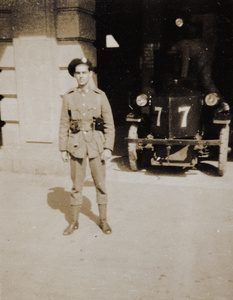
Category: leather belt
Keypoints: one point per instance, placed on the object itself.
(81, 125)
(86, 125)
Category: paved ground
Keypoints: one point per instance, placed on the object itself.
(171, 240)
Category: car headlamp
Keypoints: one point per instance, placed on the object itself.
(142, 100)
(179, 22)
(211, 99)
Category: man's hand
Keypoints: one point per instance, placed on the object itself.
(65, 156)
(106, 154)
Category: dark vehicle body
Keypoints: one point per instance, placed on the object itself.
(178, 127)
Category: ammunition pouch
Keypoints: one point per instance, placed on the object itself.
(74, 126)
(99, 124)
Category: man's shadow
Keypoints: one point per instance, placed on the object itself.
(58, 198)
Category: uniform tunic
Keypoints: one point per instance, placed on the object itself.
(81, 105)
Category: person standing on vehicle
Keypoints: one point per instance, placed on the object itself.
(86, 131)
(197, 51)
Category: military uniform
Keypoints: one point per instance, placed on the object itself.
(86, 131)
(81, 107)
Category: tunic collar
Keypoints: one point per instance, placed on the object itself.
(83, 90)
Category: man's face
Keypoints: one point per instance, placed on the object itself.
(82, 75)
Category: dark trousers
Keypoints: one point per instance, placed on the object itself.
(78, 174)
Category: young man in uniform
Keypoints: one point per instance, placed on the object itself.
(86, 131)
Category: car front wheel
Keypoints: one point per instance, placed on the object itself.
(223, 150)
(133, 152)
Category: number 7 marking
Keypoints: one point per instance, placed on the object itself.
(185, 110)
(159, 110)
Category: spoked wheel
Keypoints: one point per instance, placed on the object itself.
(223, 150)
(133, 152)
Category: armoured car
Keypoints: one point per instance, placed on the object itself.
(178, 126)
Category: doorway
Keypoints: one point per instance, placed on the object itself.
(119, 48)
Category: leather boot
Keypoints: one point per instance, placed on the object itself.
(103, 219)
(74, 224)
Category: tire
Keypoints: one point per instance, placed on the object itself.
(223, 150)
(133, 154)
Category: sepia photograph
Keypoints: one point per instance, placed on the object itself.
(116, 149)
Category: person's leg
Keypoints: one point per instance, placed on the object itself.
(98, 174)
(78, 173)
(103, 219)
(75, 209)
(205, 70)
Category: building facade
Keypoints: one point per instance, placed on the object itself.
(37, 41)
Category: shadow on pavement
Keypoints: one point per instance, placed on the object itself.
(206, 168)
(123, 165)
(59, 199)
(160, 171)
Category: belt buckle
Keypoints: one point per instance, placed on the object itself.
(87, 138)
